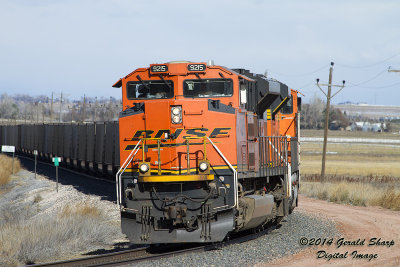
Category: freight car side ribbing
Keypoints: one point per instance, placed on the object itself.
(88, 147)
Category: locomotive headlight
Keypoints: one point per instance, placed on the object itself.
(176, 119)
(203, 166)
(176, 110)
(176, 114)
(144, 168)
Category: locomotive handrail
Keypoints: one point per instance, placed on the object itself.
(235, 182)
(282, 155)
(274, 148)
(187, 142)
(137, 148)
(122, 170)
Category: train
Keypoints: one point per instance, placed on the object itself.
(205, 152)
(86, 147)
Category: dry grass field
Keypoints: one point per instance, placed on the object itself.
(352, 159)
(6, 168)
(358, 174)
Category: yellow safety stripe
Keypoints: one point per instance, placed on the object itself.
(268, 114)
(283, 101)
(176, 178)
(155, 170)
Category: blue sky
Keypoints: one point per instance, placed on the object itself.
(83, 47)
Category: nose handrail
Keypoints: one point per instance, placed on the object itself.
(122, 170)
(235, 177)
(137, 148)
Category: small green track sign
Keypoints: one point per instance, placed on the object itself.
(56, 161)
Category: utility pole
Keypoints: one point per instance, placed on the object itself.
(328, 103)
(51, 108)
(60, 107)
(84, 108)
(95, 109)
(43, 109)
(37, 111)
(392, 70)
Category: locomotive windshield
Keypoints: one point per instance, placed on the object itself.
(150, 89)
(207, 88)
(288, 107)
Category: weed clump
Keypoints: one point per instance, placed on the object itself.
(339, 193)
(6, 168)
(80, 209)
(390, 199)
(37, 198)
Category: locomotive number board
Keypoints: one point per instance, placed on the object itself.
(196, 67)
(159, 68)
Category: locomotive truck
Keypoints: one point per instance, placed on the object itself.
(205, 151)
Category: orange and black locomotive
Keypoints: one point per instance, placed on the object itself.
(205, 151)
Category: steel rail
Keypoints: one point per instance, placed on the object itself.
(143, 254)
(99, 260)
(122, 258)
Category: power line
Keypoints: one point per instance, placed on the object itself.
(306, 85)
(373, 78)
(302, 74)
(376, 87)
(370, 65)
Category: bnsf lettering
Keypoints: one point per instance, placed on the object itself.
(177, 133)
(142, 133)
(195, 133)
(219, 131)
(160, 133)
(190, 133)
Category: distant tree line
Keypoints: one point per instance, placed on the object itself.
(25, 108)
(313, 115)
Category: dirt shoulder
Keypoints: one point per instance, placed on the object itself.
(353, 223)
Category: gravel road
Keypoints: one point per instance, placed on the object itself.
(278, 243)
(354, 223)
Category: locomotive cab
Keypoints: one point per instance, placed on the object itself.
(196, 158)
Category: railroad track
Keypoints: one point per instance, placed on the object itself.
(150, 253)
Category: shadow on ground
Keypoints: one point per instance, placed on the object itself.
(83, 183)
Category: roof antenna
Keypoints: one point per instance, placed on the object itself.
(266, 73)
(210, 62)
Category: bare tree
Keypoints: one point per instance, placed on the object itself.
(312, 114)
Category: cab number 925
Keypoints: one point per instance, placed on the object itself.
(159, 68)
(196, 67)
